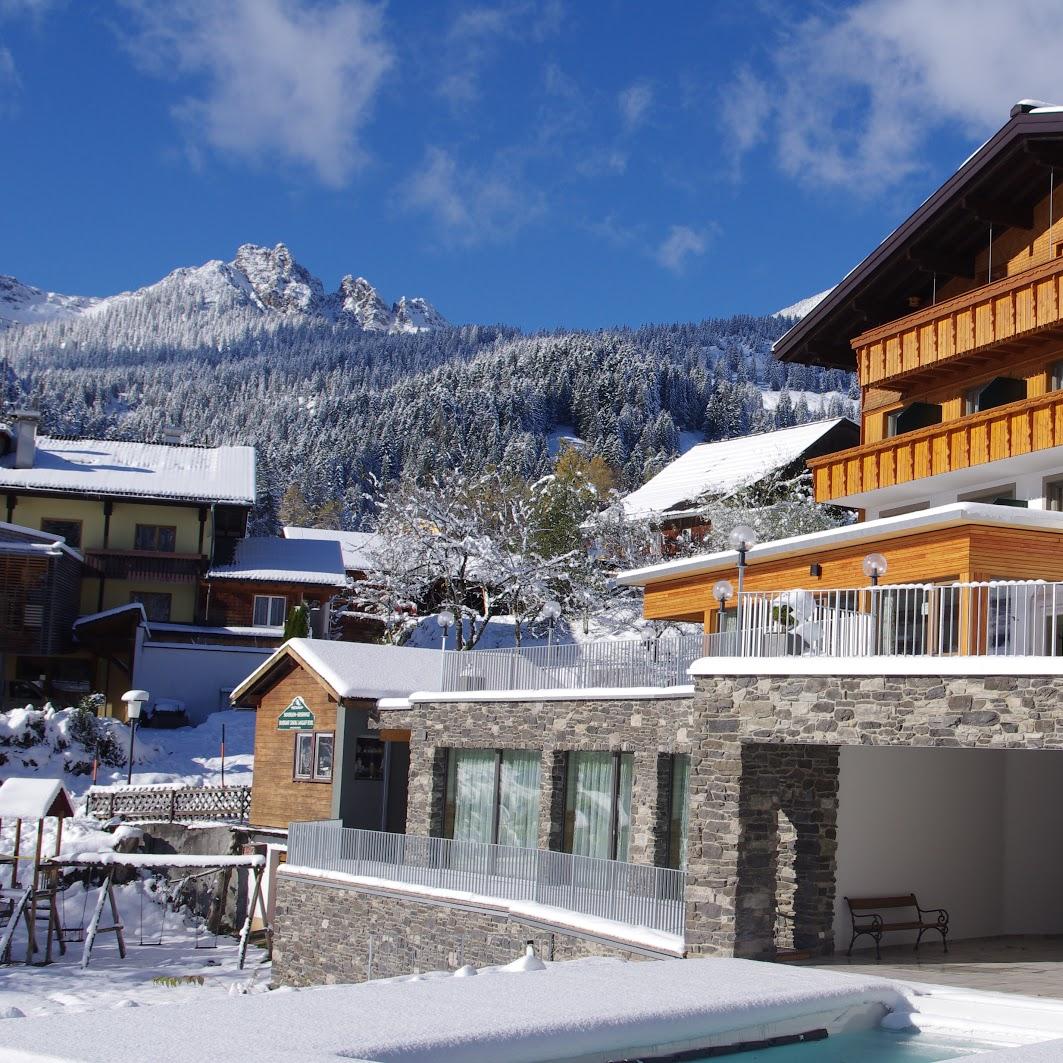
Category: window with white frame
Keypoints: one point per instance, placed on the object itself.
(314, 754)
(270, 610)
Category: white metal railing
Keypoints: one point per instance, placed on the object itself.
(661, 662)
(632, 894)
(999, 618)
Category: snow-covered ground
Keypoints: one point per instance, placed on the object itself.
(37, 743)
(186, 965)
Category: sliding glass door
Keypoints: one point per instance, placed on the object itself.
(598, 805)
(493, 796)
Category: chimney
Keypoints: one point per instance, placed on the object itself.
(172, 436)
(26, 422)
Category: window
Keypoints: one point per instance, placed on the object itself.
(1055, 376)
(70, 530)
(913, 417)
(998, 392)
(314, 752)
(493, 796)
(269, 611)
(598, 805)
(159, 537)
(679, 818)
(1054, 495)
(997, 496)
(156, 604)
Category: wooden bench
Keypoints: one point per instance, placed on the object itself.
(867, 915)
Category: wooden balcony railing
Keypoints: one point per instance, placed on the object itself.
(992, 316)
(1017, 428)
(147, 565)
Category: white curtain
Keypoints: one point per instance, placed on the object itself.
(623, 816)
(474, 794)
(518, 809)
(591, 796)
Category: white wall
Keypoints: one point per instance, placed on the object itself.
(979, 832)
(195, 674)
(1033, 844)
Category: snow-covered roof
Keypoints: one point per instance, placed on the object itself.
(729, 465)
(34, 799)
(275, 560)
(140, 470)
(356, 669)
(17, 539)
(923, 520)
(356, 546)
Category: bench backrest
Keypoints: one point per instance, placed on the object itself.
(874, 904)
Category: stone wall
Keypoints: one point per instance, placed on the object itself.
(650, 728)
(763, 752)
(323, 931)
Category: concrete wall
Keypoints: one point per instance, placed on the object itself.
(322, 933)
(195, 674)
(975, 831)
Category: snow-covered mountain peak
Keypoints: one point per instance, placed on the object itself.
(415, 315)
(278, 280)
(360, 299)
(23, 304)
(803, 306)
(259, 281)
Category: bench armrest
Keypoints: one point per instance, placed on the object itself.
(942, 915)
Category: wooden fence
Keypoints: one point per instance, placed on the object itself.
(173, 803)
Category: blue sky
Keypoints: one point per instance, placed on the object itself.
(563, 163)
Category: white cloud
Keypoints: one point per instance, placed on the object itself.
(679, 245)
(851, 97)
(635, 102)
(9, 79)
(281, 80)
(476, 35)
(468, 206)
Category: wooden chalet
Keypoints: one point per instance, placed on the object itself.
(954, 326)
(316, 756)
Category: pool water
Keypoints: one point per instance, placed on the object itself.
(871, 1046)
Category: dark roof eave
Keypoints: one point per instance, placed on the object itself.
(1019, 127)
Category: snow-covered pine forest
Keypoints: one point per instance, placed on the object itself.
(334, 406)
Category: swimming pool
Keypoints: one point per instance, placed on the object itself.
(866, 1046)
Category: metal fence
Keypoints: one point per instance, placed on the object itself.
(633, 894)
(661, 662)
(999, 618)
(171, 802)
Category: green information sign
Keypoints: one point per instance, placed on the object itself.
(296, 717)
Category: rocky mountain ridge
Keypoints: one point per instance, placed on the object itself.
(259, 279)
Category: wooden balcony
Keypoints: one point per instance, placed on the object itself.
(1007, 316)
(1005, 432)
(153, 565)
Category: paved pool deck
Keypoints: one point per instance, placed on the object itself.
(1029, 965)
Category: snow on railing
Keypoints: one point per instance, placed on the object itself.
(636, 895)
(660, 662)
(998, 618)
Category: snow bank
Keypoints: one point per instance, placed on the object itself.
(600, 1009)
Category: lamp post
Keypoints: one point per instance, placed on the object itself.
(874, 566)
(446, 620)
(742, 538)
(723, 591)
(552, 613)
(135, 700)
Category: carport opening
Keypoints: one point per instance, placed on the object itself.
(975, 831)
